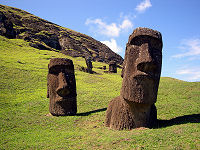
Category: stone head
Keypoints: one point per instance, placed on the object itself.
(88, 62)
(113, 67)
(142, 66)
(61, 86)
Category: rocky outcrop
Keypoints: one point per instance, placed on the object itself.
(6, 27)
(42, 34)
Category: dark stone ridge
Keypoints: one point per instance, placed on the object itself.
(135, 107)
(42, 34)
(61, 87)
(112, 67)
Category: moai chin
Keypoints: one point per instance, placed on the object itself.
(89, 64)
(112, 67)
(135, 107)
(61, 87)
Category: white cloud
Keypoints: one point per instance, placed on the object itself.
(112, 44)
(109, 30)
(190, 74)
(143, 6)
(126, 24)
(191, 48)
(103, 28)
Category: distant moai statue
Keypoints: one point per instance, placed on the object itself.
(61, 87)
(135, 107)
(113, 67)
(89, 64)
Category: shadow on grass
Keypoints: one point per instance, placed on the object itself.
(194, 118)
(91, 112)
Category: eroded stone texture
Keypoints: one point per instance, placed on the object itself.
(89, 64)
(112, 67)
(135, 107)
(61, 87)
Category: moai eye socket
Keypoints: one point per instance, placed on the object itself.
(55, 70)
(156, 43)
(138, 40)
(156, 50)
(60, 68)
(157, 55)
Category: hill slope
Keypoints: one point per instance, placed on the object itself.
(24, 107)
(42, 34)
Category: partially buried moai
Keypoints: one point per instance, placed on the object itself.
(61, 87)
(135, 107)
(89, 64)
(112, 67)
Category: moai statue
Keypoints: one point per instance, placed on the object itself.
(104, 67)
(112, 67)
(135, 107)
(89, 64)
(61, 87)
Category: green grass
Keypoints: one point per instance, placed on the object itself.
(24, 123)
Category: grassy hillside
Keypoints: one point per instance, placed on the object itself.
(25, 123)
(42, 34)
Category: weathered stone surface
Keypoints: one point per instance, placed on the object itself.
(135, 107)
(112, 67)
(61, 87)
(42, 34)
(6, 27)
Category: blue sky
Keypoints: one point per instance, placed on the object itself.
(112, 22)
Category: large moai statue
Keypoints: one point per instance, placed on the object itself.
(112, 67)
(61, 87)
(135, 107)
(89, 64)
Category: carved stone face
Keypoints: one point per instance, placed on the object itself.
(89, 62)
(61, 86)
(142, 66)
(113, 67)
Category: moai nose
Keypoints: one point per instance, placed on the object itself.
(145, 62)
(147, 67)
(63, 88)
